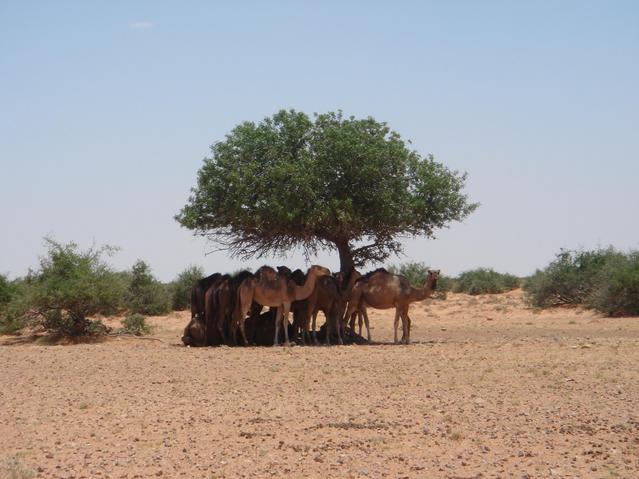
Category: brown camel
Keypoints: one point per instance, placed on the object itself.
(220, 302)
(194, 333)
(198, 293)
(326, 298)
(270, 288)
(347, 282)
(383, 290)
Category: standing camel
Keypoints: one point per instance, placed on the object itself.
(220, 304)
(275, 290)
(326, 298)
(383, 290)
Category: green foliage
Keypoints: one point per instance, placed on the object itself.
(330, 182)
(136, 324)
(484, 281)
(416, 273)
(617, 289)
(7, 291)
(570, 279)
(72, 285)
(180, 288)
(145, 294)
(603, 279)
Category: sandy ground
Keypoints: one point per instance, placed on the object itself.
(489, 388)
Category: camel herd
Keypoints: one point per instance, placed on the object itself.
(224, 306)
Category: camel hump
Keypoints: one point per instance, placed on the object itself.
(266, 273)
(371, 273)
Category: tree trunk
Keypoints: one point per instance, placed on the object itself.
(346, 263)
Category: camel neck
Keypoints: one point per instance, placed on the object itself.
(419, 294)
(304, 291)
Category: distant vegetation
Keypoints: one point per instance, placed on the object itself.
(484, 281)
(72, 286)
(180, 288)
(606, 280)
(476, 281)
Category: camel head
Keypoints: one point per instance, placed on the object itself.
(318, 271)
(432, 278)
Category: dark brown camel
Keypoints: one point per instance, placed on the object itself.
(220, 303)
(275, 290)
(198, 294)
(383, 290)
(194, 333)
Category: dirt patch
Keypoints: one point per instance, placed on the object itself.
(488, 389)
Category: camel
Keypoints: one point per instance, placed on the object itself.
(194, 333)
(383, 290)
(270, 288)
(325, 297)
(198, 293)
(219, 304)
(347, 282)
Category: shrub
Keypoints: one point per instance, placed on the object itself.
(570, 279)
(136, 324)
(145, 294)
(616, 291)
(70, 286)
(6, 291)
(180, 288)
(416, 273)
(484, 281)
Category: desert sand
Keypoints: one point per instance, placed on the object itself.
(489, 388)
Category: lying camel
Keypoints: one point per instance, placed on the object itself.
(270, 288)
(383, 290)
(194, 333)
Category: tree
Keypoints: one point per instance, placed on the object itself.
(146, 295)
(328, 183)
(181, 287)
(72, 285)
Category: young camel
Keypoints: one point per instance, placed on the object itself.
(383, 290)
(272, 289)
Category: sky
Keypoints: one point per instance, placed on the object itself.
(107, 110)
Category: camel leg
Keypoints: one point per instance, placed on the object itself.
(408, 322)
(284, 319)
(368, 329)
(328, 328)
(313, 328)
(405, 325)
(220, 325)
(334, 319)
(278, 313)
(395, 324)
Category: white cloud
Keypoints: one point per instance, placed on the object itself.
(144, 25)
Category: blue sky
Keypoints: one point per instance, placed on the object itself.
(107, 109)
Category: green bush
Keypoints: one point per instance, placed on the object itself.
(616, 291)
(416, 273)
(570, 279)
(181, 287)
(484, 281)
(145, 294)
(6, 291)
(70, 286)
(136, 324)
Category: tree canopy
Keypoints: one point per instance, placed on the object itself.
(328, 182)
